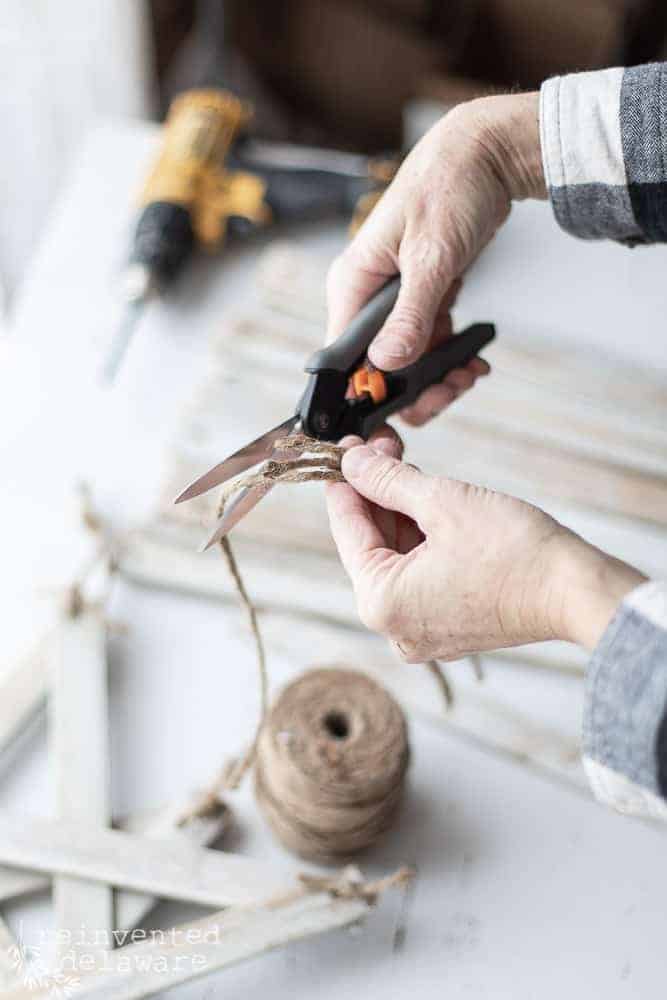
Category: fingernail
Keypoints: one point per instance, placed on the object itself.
(356, 459)
(386, 446)
(350, 441)
(389, 348)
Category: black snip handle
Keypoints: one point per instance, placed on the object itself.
(348, 352)
(405, 386)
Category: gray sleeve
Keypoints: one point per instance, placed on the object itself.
(604, 151)
(625, 728)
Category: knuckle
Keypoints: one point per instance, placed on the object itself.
(408, 323)
(335, 274)
(383, 474)
(435, 258)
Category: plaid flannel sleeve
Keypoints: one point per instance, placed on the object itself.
(604, 150)
(625, 714)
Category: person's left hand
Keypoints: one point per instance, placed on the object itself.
(444, 568)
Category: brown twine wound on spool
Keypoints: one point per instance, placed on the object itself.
(330, 764)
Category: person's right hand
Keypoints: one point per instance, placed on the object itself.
(447, 200)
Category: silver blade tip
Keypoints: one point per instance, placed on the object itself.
(216, 537)
(188, 493)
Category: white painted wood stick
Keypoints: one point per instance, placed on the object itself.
(9, 958)
(527, 408)
(79, 732)
(23, 692)
(149, 560)
(14, 883)
(292, 282)
(131, 907)
(198, 949)
(477, 715)
(173, 869)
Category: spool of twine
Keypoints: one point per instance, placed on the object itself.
(331, 762)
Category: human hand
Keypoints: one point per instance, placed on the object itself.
(447, 200)
(444, 568)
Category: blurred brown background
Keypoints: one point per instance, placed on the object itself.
(369, 75)
(340, 71)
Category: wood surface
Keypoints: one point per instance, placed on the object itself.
(79, 738)
(23, 690)
(143, 969)
(172, 869)
(9, 970)
(132, 907)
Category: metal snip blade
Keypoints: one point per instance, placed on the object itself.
(241, 505)
(245, 458)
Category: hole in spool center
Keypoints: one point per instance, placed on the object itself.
(336, 725)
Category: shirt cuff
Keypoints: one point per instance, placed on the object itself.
(581, 131)
(625, 727)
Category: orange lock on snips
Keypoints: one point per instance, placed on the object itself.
(368, 381)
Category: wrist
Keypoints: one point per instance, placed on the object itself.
(510, 126)
(589, 589)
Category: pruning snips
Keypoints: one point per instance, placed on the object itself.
(344, 395)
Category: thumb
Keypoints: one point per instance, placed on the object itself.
(390, 483)
(425, 279)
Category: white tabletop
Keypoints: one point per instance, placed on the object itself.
(526, 888)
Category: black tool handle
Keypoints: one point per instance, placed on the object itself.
(303, 195)
(405, 386)
(306, 195)
(347, 353)
(455, 352)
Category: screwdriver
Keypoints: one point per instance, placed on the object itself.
(211, 181)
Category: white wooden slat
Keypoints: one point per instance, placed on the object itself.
(131, 908)
(169, 869)
(79, 719)
(199, 949)
(9, 972)
(14, 884)
(477, 714)
(149, 561)
(525, 400)
(23, 691)
(515, 458)
(503, 713)
(291, 284)
(460, 446)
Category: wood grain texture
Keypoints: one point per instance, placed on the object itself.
(199, 949)
(79, 735)
(170, 869)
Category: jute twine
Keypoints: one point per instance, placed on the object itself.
(330, 756)
(330, 764)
